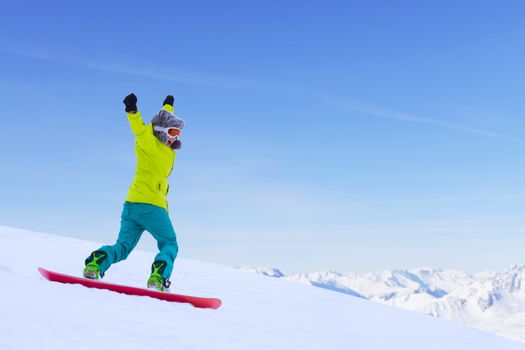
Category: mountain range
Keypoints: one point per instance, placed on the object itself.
(490, 301)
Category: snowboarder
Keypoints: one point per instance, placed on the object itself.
(146, 207)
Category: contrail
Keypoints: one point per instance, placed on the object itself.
(379, 112)
(120, 65)
(114, 64)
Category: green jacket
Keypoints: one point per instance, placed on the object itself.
(154, 164)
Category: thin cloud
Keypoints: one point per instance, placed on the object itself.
(383, 113)
(120, 65)
(115, 64)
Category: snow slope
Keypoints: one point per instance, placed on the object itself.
(257, 312)
(490, 301)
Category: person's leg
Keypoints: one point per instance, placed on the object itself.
(159, 225)
(129, 234)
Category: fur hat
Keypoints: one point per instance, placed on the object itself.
(166, 119)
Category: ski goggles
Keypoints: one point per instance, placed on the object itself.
(171, 131)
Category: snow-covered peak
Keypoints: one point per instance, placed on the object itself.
(511, 281)
(270, 272)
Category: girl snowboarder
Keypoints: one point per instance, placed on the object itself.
(146, 207)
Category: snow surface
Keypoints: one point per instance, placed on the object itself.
(257, 312)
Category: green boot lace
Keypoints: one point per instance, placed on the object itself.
(92, 269)
(156, 280)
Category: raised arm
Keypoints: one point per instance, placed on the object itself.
(135, 119)
(167, 105)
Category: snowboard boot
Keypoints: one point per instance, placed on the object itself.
(156, 280)
(92, 269)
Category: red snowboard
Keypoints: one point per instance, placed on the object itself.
(211, 303)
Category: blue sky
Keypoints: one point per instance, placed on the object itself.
(343, 135)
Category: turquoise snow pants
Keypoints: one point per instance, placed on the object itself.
(137, 218)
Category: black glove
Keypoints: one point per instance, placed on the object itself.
(169, 100)
(176, 144)
(131, 103)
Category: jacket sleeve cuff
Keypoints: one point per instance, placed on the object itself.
(133, 114)
(168, 108)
